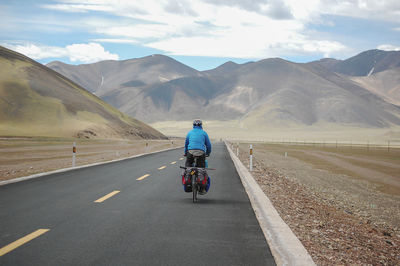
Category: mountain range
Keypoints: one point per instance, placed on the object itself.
(360, 91)
(38, 101)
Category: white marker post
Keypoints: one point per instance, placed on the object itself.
(251, 158)
(73, 154)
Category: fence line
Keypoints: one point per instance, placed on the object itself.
(390, 144)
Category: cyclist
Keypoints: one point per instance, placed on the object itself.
(197, 144)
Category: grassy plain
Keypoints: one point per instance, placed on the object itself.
(378, 165)
(26, 156)
(236, 131)
(361, 179)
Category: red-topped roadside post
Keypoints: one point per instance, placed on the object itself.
(73, 154)
(251, 158)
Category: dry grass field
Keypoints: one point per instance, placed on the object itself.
(343, 203)
(233, 130)
(378, 165)
(27, 156)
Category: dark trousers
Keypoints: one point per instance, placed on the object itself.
(201, 160)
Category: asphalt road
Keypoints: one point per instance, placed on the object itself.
(151, 221)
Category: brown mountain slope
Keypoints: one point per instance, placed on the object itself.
(106, 76)
(270, 92)
(363, 64)
(37, 101)
(280, 93)
(385, 84)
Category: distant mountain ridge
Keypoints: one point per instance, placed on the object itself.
(375, 70)
(270, 92)
(104, 76)
(38, 101)
(363, 64)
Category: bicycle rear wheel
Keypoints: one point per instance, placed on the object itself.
(194, 189)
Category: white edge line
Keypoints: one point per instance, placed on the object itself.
(285, 246)
(23, 178)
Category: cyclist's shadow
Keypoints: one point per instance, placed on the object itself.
(214, 201)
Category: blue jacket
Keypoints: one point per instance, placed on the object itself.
(197, 139)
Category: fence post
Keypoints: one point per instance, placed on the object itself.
(73, 154)
(251, 158)
(388, 145)
(237, 149)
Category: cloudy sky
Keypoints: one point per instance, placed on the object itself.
(200, 33)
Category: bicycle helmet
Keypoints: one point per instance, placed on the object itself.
(197, 122)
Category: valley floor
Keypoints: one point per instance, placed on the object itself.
(27, 156)
(342, 203)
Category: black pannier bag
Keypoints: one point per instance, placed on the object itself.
(202, 175)
(187, 181)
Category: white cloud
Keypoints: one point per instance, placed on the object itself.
(140, 31)
(388, 47)
(115, 41)
(223, 28)
(84, 53)
(199, 28)
(37, 52)
(309, 10)
(386, 10)
(89, 53)
(83, 8)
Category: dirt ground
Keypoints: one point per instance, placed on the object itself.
(23, 156)
(343, 204)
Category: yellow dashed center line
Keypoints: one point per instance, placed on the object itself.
(162, 167)
(22, 241)
(180, 159)
(143, 177)
(109, 195)
(173, 162)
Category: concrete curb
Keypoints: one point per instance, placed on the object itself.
(23, 178)
(285, 246)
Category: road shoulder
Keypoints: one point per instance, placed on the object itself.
(285, 246)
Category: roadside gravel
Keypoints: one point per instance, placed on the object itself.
(339, 220)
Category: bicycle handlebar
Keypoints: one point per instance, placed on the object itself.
(184, 167)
